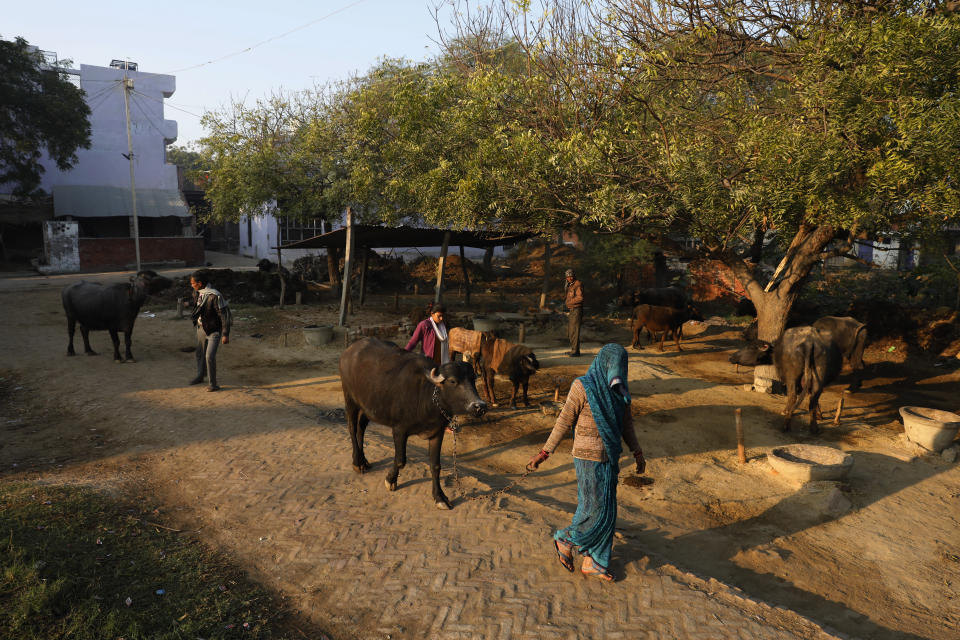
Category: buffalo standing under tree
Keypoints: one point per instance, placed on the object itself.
(112, 308)
(806, 359)
(407, 392)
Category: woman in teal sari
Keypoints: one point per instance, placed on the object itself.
(598, 409)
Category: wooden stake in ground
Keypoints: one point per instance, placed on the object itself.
(741, 452)
(836, 418)
(521, 333)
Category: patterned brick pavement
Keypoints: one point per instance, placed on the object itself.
(371, 563)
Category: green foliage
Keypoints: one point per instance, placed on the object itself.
(254, 155)
(40, 111)
(605, 254)
(71, 557)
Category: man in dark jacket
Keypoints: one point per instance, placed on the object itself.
(212, 318)
(574, 303)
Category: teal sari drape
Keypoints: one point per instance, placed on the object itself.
(593, 523)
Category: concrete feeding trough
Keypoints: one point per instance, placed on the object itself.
(808, 463)
(932, 429)
(317, 336)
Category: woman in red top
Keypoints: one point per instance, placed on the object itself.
(432, 332)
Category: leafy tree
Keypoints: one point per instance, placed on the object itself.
(719, 121)
(40, 111)
(253, 155)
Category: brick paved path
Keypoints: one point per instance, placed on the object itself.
(371, 563)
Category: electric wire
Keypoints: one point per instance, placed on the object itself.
(271, 39)
(166, 103)
(147, 117)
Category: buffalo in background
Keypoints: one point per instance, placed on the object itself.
(407, 392)
(661, 319)
(113, 308)
(515, 361)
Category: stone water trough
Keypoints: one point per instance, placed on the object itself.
(808, 463)
(932, 429)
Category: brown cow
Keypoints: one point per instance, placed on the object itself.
(662, 319)
(515, 361)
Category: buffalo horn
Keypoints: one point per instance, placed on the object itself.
(436, 378)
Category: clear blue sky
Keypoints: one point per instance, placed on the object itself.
(164, 37)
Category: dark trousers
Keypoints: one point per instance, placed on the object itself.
(207, 346)
(573, 329)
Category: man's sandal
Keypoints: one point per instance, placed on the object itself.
(566, 559)
(591, 569)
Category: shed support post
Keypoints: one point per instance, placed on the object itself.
(347, 264)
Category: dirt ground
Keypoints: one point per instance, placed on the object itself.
(875, 557)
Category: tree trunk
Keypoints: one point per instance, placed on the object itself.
(333, 266)
(488, 259)
(774, 301)
(545, 287)
(661, 275)
(438, 290)
(363, 274)
(466, 274)
(773, 311)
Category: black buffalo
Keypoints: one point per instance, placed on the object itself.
(850, 336)
(113, 308)
(673, 297)
(663, 319)
(407, 392)
(847, 333)
(516, 362)
(806, 359)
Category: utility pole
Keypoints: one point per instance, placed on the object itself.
(127, 87)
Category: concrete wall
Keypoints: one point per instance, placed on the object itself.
(60, 247)
(102, 164)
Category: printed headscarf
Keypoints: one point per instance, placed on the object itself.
(607, 403)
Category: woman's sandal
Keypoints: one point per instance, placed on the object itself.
(566, 559)
(591, 569)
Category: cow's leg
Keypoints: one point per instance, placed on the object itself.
(526, 400)
(488, 380)
(85, 334)
(791, 405)
(513, 397)
(399, 458)
(814, 408)
(71, 327)
(677, 334)
(438, 496)
(352, 411)
(663, 336)
(115, 336)
(636, 337)
(127, 339)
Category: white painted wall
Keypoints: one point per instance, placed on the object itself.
(103, 163)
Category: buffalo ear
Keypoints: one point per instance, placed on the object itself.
(436, 377)
(764, 346)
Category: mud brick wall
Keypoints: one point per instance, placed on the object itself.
(713, 280)
(98, 254)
